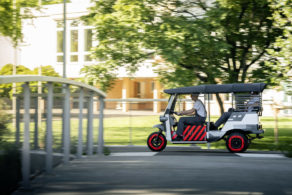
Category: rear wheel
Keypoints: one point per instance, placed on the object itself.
(237, 142)
(156, 141)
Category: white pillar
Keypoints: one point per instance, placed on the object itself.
(36, 125)
(155, 104)
(80, 130)
(100, 130)
(17, 124)
(126, 93)
(25, 145)
(66, 124)
(49, 132)
(90, 125)
(156, 95)
(124, 96)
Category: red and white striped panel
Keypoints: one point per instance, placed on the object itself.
(195, 133)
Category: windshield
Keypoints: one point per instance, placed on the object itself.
(171, 104)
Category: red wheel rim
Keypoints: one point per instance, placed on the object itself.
(151, 144)
(236, 143)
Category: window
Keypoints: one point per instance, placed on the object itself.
(74, 58)
(60, 24)
(60, 58)
(87, 44)
(87, 58)
(79, 41)
(74, 41)
(87, 39)
(74, 46)
(60, 41)
(137, 89)
(60, 46)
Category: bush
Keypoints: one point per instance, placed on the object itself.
(10, 168)
(4, 121)
(106, 151)
(10, 165)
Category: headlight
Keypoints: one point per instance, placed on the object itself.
(163, 118)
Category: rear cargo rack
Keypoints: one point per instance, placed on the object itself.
(248, 103)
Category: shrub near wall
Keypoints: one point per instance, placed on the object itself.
(10, 168)
(5, 119)
(10, 165)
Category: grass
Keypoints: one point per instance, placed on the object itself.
(135, 130)
(117, 131)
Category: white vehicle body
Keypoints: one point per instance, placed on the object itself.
(238, 127)
(242, 120)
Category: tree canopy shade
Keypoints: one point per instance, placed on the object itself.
(213, 88)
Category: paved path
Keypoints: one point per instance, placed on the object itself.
(177, 170)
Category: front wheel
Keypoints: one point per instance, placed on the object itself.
(156, 141)
(237, 142)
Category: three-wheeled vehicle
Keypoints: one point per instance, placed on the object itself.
(241, 127)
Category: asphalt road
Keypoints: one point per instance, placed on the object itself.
(188, 170)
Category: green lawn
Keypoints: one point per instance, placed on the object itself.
(117, 130)
(135, 130)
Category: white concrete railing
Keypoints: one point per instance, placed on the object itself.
(31, 78)
(66, 120)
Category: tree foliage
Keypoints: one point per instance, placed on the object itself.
(12, 12)
(283, 19)
(288, 87)
(226, 41)
(6, 89)
(105, 79)
(5, 119)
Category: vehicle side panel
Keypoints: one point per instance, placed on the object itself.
(215, 135)
(246, 121)
(168, 128)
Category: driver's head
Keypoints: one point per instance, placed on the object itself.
(194, 96)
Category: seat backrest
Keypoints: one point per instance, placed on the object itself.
(224, 117)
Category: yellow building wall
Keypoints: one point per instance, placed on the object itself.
(114, 93)
(140, 88)
(149, 86)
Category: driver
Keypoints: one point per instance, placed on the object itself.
(198, 110)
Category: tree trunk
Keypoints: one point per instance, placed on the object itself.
(220, 103)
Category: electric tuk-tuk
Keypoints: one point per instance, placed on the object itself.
(239, 130)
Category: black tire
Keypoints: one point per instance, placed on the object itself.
(156, 141)
(237, 142)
